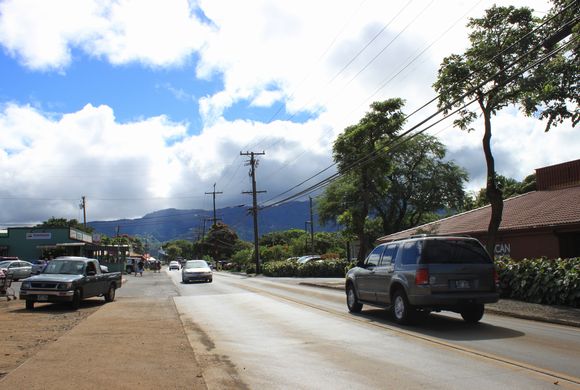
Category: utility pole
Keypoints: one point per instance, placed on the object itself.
(83, 206)
(311, 226)
(214, 194)
(253, 163)
(306, 236)
(118, 243)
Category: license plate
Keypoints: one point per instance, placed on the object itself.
(462, 284)
(42, 297)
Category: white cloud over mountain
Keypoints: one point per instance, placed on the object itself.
(324, 61)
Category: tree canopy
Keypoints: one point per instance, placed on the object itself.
(54, 222)
(358, 152)
(504, 65)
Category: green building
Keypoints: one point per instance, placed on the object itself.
(30, 243)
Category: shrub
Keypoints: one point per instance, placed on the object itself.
(327, 268)
(553, 282)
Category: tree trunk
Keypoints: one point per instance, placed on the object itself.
(362, 251)
(494, 194)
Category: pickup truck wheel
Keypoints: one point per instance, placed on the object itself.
(76, 301)
(472, 314)
(401, 308)
(29, 304)
(354, 306)
(110, 295)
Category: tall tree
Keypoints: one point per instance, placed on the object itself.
(420, 184)
(498, 39)
(220, 241)
(357, 153)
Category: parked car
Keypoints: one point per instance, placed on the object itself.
(424, 274)
(196, 270)
(174, 265)
(308, 258)
(38, 266)
(70, 279)
(19, 269)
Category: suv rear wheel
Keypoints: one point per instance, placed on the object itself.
(354, 306)
(472, 314)
(401, 308)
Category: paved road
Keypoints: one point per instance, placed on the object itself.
(277, 334)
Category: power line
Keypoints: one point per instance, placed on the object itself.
(400, 138)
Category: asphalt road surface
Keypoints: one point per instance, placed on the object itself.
(274, 333)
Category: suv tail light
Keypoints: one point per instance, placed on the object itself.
(422, 277)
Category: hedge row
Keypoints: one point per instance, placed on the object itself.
(323, 269)
(553, 282)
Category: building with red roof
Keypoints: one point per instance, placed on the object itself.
(545, 222)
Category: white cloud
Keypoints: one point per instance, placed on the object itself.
(52, 162)
(265, 53)
(43, 34)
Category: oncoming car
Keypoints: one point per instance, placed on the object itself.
(196, 270)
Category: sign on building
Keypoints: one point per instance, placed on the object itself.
(38, 236)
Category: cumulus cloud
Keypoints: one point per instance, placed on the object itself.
(324, 67)
(139, 166)
(157, 33)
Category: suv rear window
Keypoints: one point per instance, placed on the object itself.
(454, 251)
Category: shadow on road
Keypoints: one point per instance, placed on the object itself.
(445, 327)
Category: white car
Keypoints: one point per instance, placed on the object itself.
(196, 270)
(174, 265)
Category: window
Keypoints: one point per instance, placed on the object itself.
(390, 254)
(374, 257)
(453, 251)
(411, 253)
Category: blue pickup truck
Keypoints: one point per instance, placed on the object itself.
(70, 279)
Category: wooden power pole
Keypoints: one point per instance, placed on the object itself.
(253, 163)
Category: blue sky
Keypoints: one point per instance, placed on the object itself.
(144, 105)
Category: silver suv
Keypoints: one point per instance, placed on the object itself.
(424, 274)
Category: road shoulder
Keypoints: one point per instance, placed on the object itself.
(131, 343)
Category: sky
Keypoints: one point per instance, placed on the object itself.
(142, 105)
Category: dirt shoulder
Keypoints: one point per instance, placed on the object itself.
(23, 333)
(133, 342)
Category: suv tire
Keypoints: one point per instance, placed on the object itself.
(354, 306)
(472, 314)
(401, 308)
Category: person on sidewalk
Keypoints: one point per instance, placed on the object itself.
(140, 266)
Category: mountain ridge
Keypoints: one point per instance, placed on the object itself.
(170, 224)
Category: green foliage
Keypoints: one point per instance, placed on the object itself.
(281, 238)
(553, 282)
(509, 188)
(242, 258)
(331, 268)
(369, 137)
(276, 252)
(173, 252)
(419, 184)
(53, 222)
(220, 241)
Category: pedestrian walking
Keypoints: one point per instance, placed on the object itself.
(140, 266)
